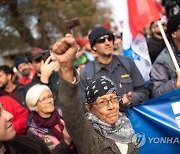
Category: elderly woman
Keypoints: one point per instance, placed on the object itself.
(103, 130)
(46, 120)
(11, 144)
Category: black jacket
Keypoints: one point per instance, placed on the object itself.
(29, 144)
(155, 46)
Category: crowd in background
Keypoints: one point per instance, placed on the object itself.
(35, 97)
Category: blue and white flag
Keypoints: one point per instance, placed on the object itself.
(134, 16)
(138, 52)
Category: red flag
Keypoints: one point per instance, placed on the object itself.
(141, 13)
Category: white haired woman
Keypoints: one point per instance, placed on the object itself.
(46, 120)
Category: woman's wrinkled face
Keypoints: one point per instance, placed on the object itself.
(45, 104)
(106, 108)
(7, 131)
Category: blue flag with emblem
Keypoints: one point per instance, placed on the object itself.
(157, 124)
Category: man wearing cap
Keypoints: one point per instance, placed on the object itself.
(46, 71)
(163, 76)
(24, 69)
(130, 84)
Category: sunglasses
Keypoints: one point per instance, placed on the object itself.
(102, 39)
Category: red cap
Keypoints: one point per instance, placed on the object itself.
(34, 54)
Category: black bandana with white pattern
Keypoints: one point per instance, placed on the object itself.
(98, 88)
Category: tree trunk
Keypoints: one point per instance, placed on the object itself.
(18, 23)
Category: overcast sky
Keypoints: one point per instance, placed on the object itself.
(115, 9)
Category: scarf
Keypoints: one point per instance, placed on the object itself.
(50, 123)
(121, 131)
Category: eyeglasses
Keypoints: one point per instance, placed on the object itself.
(46, 99)
(105, 102)
(102, 39)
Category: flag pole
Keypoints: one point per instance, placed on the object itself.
(168, 45)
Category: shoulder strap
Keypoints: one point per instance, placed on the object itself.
(89, 71)
(125, 63)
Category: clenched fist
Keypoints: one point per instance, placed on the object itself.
(64, 51)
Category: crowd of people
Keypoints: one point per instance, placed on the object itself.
(74, 98)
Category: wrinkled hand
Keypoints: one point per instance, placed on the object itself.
(178, 79)
(127, 99)
(64, 50)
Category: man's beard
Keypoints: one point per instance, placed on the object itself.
(158, 33)
(25, 72)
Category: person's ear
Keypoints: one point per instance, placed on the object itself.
(36, 108)
(152, 30)
(95, 54)
(88, 107)
(94, 48)
(9, 76)
(174, 34)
